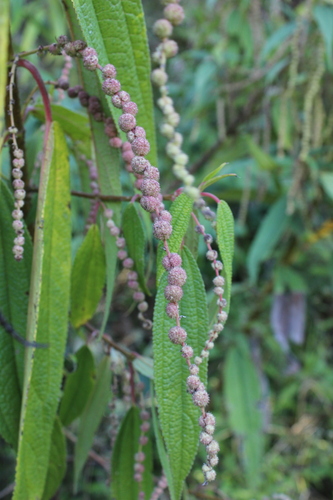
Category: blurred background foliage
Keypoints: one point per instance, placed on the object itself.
(253, 85)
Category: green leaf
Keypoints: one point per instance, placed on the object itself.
(135, 237)
(212, 174)
(323, 14)
(264, 160)
(267, 236)
(73, 124)
(88, 278)
(243, 394)
(326, 180)
(14, 289)
(116, 29)
(47, 319)
(92, 416)
(4, 37)
(225, 241)
(57, 461)
(78, 387)
(145, 366)
(123, 486)
(191, 238)
(180, 210)
(177, 414)
(212, 181)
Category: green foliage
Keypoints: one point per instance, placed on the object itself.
(225, 241)
(78, 387)
(4, 30)
(178, 416)
(74, 125)
(127, 445)
(57, 461)
(88, 278)
(47, 320)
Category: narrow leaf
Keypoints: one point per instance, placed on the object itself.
(264, 160)
(78, 387)
(92, 416)
(323, 14)
(214, 180)
(14, 289)
(212, 174)
(88, 278)
(180, 210)
(225, 241)
(57, 461)
(177, 414)
(135, 237)
(47, 319)
(123, 486)
(116, 29)
(243, 393)
(73, 124)
(145, 366)
(4, 37)
(267, 236)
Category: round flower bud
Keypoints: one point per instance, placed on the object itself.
(172, 149)
(18, 250)
(138, 477)
(174, 260)
(145, 426)
(122, 254)
(143, 440)
(217, 265)
(218, 290)
(114, 231)
(165, 215)
(210, 419)
(84, 98)
(18, 184)
(128, 156)
(139, 467)
(172, 310)
(150, 203)
(170, 48)
(115, 142)
(162, 229)
(90, 59)
(213, 448)
(143, 306)
(139, 132)
(19, 240)
(140, 146)
(167, 130)
(187, 351)
(200, 398)
(193, 382)
(20, 194)
(134, 285)
(211, 254)
(149, 187)
(210, 475)
(111, 86)
(17, 225)
(177, 335)
(18, 162)
(222, 316)
(162, 28)
(214, 460)
(205, 438)
(124, 96)
(18, 203)
(126, 122)
(139, 296)
(116, 101)
(173, 293)
(210, 429)
(218, 281)
(130, 107)
(17, 173)
(151, 172)
(139, 457)
(120, 243)
(159, 77)
(194, 370)
(128, 263)
(177, 276)
(173, 119)
(17, 214)
(198, 360)
(139, 164)
(109, 71)
(205, 468)
(18, 153)
(174, 13)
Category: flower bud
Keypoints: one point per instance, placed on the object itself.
(140, 146)
(111, 86)
(159, 77)
(177, 276)
(149, 187)
(177, 335)
(173, 293)
(172, 310)
(162, 28)
(109, 71)
(150, 203)
(174, 13)
(200, 398)
(173, 260)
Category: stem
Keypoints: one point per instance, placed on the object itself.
(104, 197)
(212, 196)
(132, 382)
(92, 454)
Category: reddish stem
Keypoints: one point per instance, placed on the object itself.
(212, 196)
(132, 382)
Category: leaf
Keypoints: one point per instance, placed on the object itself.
(225, 241)
(4, 37)
(88, 278)
(323, 14)
(92, 416)
(212, 174)
(145, 366)
(243, 394)
(14, 289)
(180, 210)
(123, 485)
(73, 124)
(277, 38)
(267, 236)
(111, 268)
(326, 180)
(264, 160)
(161, 449)
(116, 29)
(47, 319)
(57, 461)
(78, 387)
(214, 180)
(135, 237)
(177, 414)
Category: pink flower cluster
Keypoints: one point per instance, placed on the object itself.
(19, 195)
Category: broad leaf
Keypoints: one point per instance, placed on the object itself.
(180, 210)
(135, 237)
(123, 486)
(14, 289)
(177, 414)
(323, 14)
(47, 319)
(4, 37)
(88, 278)
(92, 416)
(78, 387)
(145, 366)
(225, 241)
(73, 124)
(326, 179)
(116, 29)
(243, 394)
(57, 461)
(267, 236)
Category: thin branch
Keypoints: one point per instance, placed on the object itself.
(7, 491)
(92, 454)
